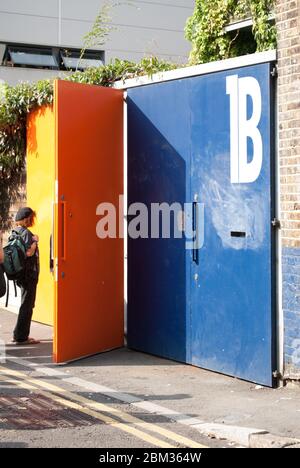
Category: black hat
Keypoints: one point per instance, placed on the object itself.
(23, 213)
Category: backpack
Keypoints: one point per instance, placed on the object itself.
(14, 257)
(2, 282)
(14, 264)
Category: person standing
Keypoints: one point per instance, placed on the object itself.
(25, 219)
(2, 279)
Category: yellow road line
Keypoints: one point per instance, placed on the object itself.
(104, 408)
(103, 418)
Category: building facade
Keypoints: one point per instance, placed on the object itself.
(48, 32)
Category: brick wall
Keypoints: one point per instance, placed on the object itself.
(288, 27)
(291, 307)
(13, 210)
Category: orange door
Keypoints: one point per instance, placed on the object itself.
(89, 299)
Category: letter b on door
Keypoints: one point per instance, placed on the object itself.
(242, 128)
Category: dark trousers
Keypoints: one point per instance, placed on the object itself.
(28, 293)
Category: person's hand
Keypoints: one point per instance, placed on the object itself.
(35, 238)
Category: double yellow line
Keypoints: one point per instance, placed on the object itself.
(123, 421)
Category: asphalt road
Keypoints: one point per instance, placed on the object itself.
(42, 411)
(127, 399)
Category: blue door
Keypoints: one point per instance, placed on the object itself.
(205, 142)
(158, 173)
(232, 307)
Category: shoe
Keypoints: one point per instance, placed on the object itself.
(29, 341)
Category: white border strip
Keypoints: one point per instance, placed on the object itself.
(125, 199)
(247, 23)
(239, 25)
(279, 252)
(204, 69)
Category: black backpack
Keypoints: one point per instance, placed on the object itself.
(14, 264)
(2, 282)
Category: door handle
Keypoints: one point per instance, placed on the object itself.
(63, 208)
(51, 259)
(195, 230)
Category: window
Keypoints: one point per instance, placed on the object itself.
(33, 57)
(242, 36)
(71, 59)
(53, 58)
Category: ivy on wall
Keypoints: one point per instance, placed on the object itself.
(205, 29)
(17, 101)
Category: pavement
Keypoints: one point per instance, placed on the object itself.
(196, 402)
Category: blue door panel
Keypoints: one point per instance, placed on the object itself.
(216, 311)
(232, 294)
(158, 168)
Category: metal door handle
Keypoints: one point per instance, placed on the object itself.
(51, 260)
(63, 207)
(195, 230)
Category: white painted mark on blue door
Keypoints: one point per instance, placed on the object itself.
(242, 128)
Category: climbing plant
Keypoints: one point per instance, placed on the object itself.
(17, 101)
(100, 30)
(205, 29)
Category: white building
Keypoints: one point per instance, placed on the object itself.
(40, 37)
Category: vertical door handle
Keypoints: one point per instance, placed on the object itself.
(63, 208)
(51, 260)
(195, 230)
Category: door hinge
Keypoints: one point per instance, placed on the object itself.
(277, 375)
(276, 223)
(274, 72)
